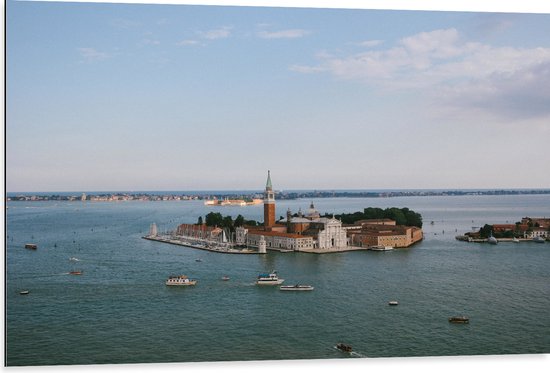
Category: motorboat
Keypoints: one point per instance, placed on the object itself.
(492, 240)
(459, 320)
(393, 303)
(75, 272)
(181, 280)
(515, 239)
(24, 292)
(538, 239)
(225, 278)
(381, 248)
(269, 279)
(344, 347)
(296, 288)
(31, 246)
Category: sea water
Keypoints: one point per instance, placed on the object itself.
(120, 311)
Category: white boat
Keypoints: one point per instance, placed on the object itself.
(515, 239)
(381, 248)
(538, 239)
(492, 240)
(296, 288)
(393, 303)
(181, 280)
(269, 279)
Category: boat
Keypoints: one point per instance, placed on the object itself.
(393, 303)
(181, 280)
(459, 320)
(538, 239)
(515, 239)
(31, 246)
(73, 259)
(75, 272)
(24, 292)
(296, 288)
(269, 279)
(492, 240)
(344, 347)
(225, 278)
(381, 248)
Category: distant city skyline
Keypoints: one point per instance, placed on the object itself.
(127, 97)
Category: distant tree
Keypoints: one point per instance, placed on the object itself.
(227, 222)
(239, 221)
(199, 221)
(486, 231)
(214, 219)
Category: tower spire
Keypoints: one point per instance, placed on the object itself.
(268, 185)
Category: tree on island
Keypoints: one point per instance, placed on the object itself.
(401, 216)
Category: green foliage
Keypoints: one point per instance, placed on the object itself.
(199, 221)
(403, 216)
(486, 231)
(215, 219)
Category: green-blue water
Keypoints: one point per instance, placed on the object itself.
(120, 311)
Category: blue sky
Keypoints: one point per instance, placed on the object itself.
(176, 97)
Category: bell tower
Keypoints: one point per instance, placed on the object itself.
(269, 204)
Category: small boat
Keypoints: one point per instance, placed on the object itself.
(198, 260)
(24, 292)
(492, 240)
(225, 278)
(515, 239)
(296, 288)
(344, 347)
(181, 280)
(459, 320)
(73, 259)
(538, 239)
(393, 303)
(31, 246)
(269, 279)
(381, 248)
(75, 272)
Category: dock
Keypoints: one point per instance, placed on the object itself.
(200, 245)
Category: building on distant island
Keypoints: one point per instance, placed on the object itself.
(385, 232)
(311, 232)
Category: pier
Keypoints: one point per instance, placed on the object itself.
(196, 243)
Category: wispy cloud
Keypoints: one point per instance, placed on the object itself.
(283, 34)
(220, 33)
(92, 54)
(187, 42)
(369, 43)
(452, 72)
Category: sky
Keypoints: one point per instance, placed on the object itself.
(130, 97)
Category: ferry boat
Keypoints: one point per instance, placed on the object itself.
(459, 320)
(181, 280)
(269, 279)
(31, 246)
(296, 288)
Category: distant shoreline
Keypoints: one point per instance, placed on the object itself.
(290, 195)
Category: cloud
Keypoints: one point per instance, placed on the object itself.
(369, 43)
(187, 42)
(284, 34)
(220, 33)
(449, 71)
(92, 55)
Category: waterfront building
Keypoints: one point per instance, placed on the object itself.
(384, 235)
(293, 233)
